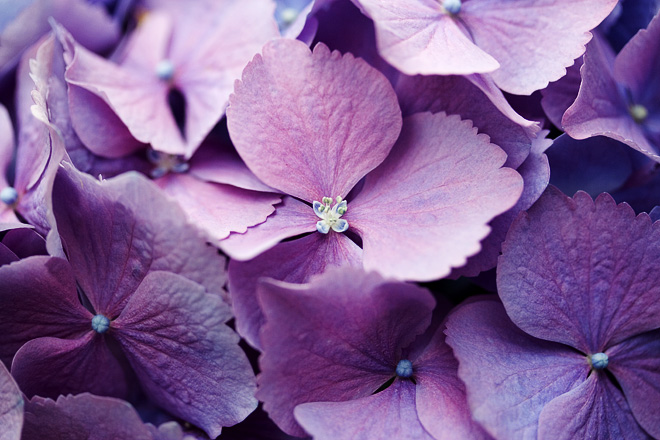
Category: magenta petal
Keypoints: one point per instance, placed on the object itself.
(636, 365)
(292, 217)
(426, 208)
(11, 407)
(509, 375)
(294, 261)
(187, 360)
(38, 298)
(595, 409)
(388, 414)
(565, 245)
(83, 417)
(337, 338)
(51, 366)
(218, 209)
(547, 35)
(118, 230)
(417, 37)
(315, 130)
(441, 402)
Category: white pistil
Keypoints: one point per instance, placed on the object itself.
(9, 195)
(166, 163)
(638, 112)
(452, 7)
(165, 70)
(330, 215)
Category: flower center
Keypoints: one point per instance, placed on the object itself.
(599, 361)
(404, 368)
(452, 7)
(100, 324)
(9, 195)
(165, 70)
(638, 112)
(166, 163)
(330, 215)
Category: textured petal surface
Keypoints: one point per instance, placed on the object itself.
(118, 230)
(292, 217)
(218, 209)
(440, 398)
(595, 409)
(417, 37)
(293, 261)
(388, 414)
(38, 298)
(315, 130)
(49, 367)
(337, 338)
(186, 358)
(82, 417)
(11, 407)
(547, 35)
(509, 375)
(600, 107)
(488, 109)
(443, 191)
(580, 272)
(636, 365)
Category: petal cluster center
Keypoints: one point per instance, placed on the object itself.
(330, 215)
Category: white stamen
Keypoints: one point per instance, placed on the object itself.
(330, 215)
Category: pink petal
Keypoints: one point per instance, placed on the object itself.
(426, 208)
(315, 130)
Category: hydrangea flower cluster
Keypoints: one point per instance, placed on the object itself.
(329, 219)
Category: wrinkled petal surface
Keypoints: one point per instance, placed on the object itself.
(11, 407)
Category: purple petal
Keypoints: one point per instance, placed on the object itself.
(441, 402)
(475, 98)
(548, 35)
(118, 230)
(186, 358)
(457, 186)
(561, 94)
(388, 414)
(636, 365)
(218, 209)
(294, 261)
(509, 375)
(38, 299)
(417, 37)
(83, 417)
(562, 247)
(600, 107)
(595, 409)
(337, 338)
(11, 407)
(51, 366)
(291, 218)
(316, 130)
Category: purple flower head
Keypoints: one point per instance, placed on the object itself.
(194, 51)
(320, 129)
(140, 295)
(578, 354)
(523, 43)
(344, 358)
(11, 407)
(619, 96)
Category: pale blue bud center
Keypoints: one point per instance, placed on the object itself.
(638, 112)
(9, 195)
(404, 368)
(452, 6)
(599, 361)
(100, 324)
(166, 163)
(165, 70)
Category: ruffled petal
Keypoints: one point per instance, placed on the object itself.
(11, 407)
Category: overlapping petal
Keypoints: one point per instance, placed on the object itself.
(11, 407)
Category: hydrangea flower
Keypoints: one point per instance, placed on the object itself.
(319, 130)
(578, 354)
(365, 374)
(138, 295)
(619, 96)
(478, 36)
